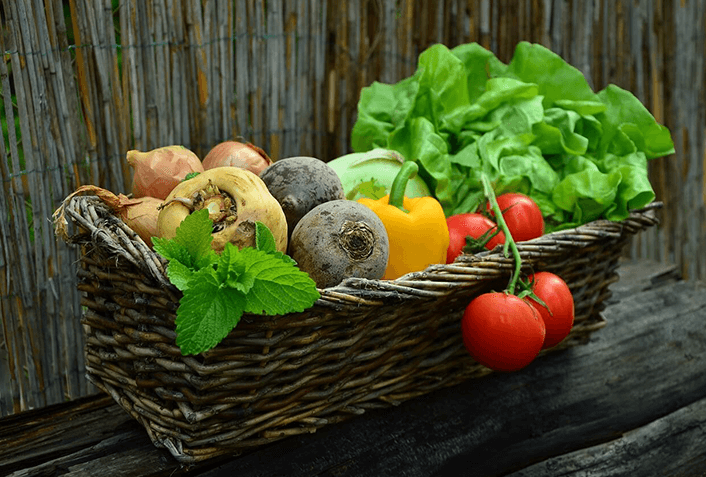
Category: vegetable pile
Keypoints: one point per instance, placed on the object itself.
(224, 227)
(468, 154)
(532, 132)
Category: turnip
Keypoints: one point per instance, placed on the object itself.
(301, 183)
(340, 239)
(235, 198)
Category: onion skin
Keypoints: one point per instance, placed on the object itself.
(142, 217)
(157, 172)
(253, 201)
(236, 154)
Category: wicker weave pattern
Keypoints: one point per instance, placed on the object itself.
(365, 344)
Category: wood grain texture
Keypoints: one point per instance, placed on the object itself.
(630, 402)
(671, 445)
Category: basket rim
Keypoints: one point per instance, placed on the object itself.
(438, 280)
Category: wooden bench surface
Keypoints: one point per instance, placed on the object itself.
(630, 402)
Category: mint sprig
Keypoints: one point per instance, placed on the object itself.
(218, 289)
(264, 240)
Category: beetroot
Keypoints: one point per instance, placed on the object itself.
(340, 239)
(301, 183)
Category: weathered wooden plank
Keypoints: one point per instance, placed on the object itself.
(614, 391)
(641, 275)
(672, 445)
(640, 365)
(114, 456)
(31, 438)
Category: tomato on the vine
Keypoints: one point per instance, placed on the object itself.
(555, 293)
(470, 224)
(522, 215)
(502, 331)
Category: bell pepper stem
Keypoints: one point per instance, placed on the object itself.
(509, 241)
(399, 185)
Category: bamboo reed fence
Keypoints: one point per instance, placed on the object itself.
(82, 82)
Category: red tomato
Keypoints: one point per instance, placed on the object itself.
(502, 331)
(475, 225)
(555, 293)
(522, 216)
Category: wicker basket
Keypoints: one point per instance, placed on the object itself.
(364, 344)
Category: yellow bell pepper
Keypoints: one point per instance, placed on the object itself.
(416, 227)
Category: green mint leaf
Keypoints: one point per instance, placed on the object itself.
(279, 287)
(264, 240)
(194, 234)
(181, 266)
(232, 270)
(284, 257)
(191, 245)
(179, 274)
(207, 312)
(189, 251)
(218, 289)
(171, 250)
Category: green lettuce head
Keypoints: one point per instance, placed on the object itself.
(532, 126)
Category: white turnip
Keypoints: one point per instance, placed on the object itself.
(235, 198)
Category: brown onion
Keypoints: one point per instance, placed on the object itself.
(139, 214)
(236, 154)
(142, 217)
(158, 171)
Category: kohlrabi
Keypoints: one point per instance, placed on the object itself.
(370, 174)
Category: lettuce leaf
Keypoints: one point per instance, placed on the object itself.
(534, 126)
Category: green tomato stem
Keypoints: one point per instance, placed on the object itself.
(509, 241)
(399, 185)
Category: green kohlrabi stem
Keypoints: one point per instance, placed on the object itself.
(399, 185)
(509, 241)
